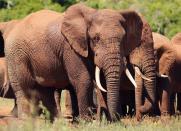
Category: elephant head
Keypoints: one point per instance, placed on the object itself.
(105, 37)
(165, 54)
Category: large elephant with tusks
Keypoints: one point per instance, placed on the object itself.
(46, 48)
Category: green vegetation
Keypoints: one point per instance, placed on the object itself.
(163, 16)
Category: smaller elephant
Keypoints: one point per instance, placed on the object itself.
(176, 41)
(165, 58)
(5, 87)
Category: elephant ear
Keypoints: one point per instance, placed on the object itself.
(133, 27)
(75, 25)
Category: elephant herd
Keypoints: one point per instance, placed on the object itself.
(107, 60)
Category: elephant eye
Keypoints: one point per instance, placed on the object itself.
(96, 38)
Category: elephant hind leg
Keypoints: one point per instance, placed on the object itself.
(22, 83)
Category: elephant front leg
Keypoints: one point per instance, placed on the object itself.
(165, 102)
(23, 105)
(101, 105)
(84, 91)
(84, 95)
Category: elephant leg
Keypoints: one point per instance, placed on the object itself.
(22, 82)
(179, 102)
(71, 104)
(124, 111)
(47, 97)
(23, 105)
(69, 114)
(172, 104)
(14, 111)
(80, 79)
(165, 102)
(131, 110)
(131, 103)
(101, 106)
(164, 97)
(57, 97)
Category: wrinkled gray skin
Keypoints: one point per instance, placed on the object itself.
(5, 87)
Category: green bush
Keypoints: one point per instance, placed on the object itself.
(163, 16)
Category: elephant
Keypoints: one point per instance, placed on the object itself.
(82, 36)
(6, 90)
(165, 59)
(5, 87)
(141, 59)
(176, 41)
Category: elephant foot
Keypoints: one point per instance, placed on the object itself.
(138, 116)
(165, 113)
(165, 119)
(178, 112)
(24, 111)
(68, 113)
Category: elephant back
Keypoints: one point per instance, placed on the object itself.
(176, 39)
(159, 40)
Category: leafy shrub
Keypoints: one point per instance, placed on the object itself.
(163, 16)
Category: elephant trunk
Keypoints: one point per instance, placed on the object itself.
(149, 70)
(112, 72)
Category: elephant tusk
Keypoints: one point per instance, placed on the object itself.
(130, 77)
(137, 70)
(164, 76)
(97, 77)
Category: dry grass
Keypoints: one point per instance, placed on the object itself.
(126, 124)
